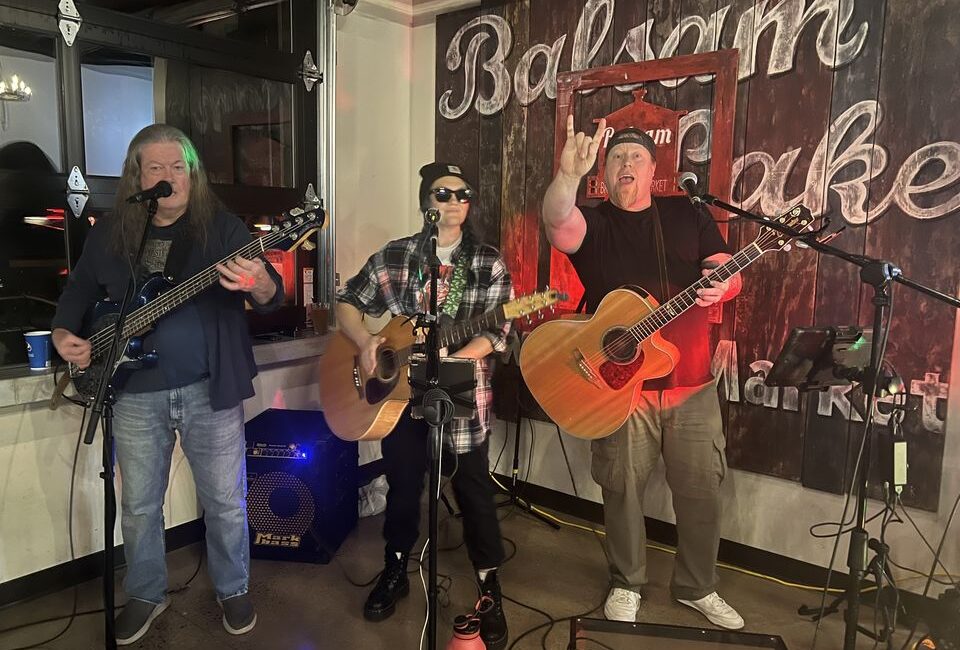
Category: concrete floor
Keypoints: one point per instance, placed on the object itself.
(309, 607)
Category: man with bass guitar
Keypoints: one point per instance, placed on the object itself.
(473, 280)
(661, 244)
(204, 370)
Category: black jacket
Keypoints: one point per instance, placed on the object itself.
(101, 273)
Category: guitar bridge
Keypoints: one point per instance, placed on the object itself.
(588, 371)
(357, 383)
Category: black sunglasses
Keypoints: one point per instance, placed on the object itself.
(444, 194)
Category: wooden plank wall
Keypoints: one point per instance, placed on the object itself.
(857, 122)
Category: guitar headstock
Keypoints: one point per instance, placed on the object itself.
(797, 218)
(296, 225)
(535, 302)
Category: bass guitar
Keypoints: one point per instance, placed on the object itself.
(157, 296)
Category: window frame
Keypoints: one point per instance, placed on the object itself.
(110, 28)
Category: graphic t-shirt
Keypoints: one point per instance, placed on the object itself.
(178, 336)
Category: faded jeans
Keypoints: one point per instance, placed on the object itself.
(145, 425)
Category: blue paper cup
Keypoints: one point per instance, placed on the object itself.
(38, 349)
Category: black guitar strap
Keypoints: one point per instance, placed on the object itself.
(180, 249)
(661, 253)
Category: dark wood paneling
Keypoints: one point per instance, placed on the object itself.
(457, 141)
(915, 42)
(549, 20)
(518, 230)
(489, 152)
(779, 289)
(827, 462)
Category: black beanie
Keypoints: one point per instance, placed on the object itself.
(431, 172)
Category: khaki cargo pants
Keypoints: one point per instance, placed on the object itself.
(684, 426)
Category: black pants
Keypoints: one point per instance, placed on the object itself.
(406, 456)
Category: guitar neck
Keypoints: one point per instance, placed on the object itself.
(144, 317)
(457, 332)
(662, 315)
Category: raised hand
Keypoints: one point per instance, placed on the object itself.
(580, 150)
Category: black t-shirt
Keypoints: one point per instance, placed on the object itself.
(620, 248)
(178, 337)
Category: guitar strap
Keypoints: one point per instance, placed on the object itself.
(458, 283)
(661, 253)
(180, 249)
(661, 259)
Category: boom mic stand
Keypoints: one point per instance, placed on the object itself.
(102, 407)
(879, 274)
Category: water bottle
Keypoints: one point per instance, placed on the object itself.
(466, 634)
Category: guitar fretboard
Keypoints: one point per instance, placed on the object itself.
(456, 332)
(468, 329)
(687, 298)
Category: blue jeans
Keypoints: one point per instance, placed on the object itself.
(213, 442)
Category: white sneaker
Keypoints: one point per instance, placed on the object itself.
(622, 605)
(716, 610)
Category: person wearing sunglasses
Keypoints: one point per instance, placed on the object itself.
(473, 279)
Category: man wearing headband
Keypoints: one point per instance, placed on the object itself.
(664, 245)
(473, 280)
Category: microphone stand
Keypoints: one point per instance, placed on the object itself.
(879, 274)
(437, 411)
(102, 407)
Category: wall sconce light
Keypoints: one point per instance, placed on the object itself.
(15, 91)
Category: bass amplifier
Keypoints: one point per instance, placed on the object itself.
(301, 486)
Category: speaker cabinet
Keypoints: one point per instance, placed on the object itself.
(301, 486)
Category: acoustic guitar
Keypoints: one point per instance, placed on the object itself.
(358, 406)
(587, 374)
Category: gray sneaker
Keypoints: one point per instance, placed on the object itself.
(238, 614)
(135, 619)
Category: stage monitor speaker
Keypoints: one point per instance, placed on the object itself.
(617, 635)
(301, 486)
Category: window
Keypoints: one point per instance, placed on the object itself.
(227, 78)
(118, 101)
(32, 249)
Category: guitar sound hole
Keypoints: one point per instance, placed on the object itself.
(387, 364)
(619, 345)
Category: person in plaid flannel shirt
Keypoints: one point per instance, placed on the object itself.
(396, 279)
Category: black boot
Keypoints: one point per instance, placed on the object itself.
(391, 587)
(493, 624)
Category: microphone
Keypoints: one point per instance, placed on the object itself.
(431, 215)
(158, 191)
(688, 183)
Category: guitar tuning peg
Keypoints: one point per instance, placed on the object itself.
(307, 245)
(787, 247)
